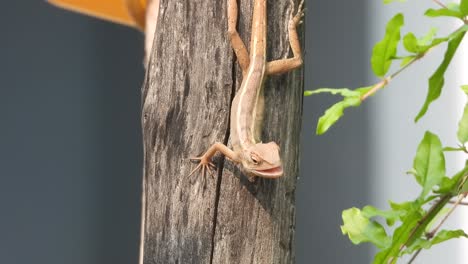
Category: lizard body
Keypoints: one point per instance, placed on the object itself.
(257, 158)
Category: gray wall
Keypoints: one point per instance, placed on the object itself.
(333, 172)
(70, 145)
(70, 151)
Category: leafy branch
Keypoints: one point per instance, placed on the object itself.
(413, 232)
(413, 220)
(385, 53)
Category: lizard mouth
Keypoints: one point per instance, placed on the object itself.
(270, 173)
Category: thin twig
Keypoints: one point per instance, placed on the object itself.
(432, 233)
(460, 198)
(387, 79)
(460, 203)
(425, 220)
(439, 3)
(376, 87)
(414, 256)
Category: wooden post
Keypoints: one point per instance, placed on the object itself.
(191, 80)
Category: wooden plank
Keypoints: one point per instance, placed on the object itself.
(186, 98)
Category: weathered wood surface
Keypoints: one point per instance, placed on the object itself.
(186, 98)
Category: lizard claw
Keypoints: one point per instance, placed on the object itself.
(297, 18)
(204, 165)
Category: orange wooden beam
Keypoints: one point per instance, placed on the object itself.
(126, 12)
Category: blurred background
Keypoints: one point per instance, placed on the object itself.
(70, 139)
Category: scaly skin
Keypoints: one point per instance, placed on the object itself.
(257, 158)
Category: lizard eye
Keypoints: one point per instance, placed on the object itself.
(254, 159)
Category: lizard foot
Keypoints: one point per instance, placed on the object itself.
(297, 18)
(204, 165)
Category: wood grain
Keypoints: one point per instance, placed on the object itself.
(191, 79)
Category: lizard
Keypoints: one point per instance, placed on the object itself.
(256, 158)
(140, 14)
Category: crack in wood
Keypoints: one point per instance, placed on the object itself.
(223, 159)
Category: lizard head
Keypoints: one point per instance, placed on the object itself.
(263, 160)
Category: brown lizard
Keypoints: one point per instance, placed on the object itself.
(257, 158)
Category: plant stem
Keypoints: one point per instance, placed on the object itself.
(426, 219)
(460, 203)
(375, 88)
(387, 79)
(439, 3)
(431, 234)
(414, 256)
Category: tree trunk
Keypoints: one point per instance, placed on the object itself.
(191, 80)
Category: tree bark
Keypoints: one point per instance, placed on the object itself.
(192, 77)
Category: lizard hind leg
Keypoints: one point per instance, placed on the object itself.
(286, 65)
(236, 42)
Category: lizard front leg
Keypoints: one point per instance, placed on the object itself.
(205, 160)
(285, 65)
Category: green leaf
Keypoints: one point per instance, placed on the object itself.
(423, 44)
(426, 39)
(400, 237)
(410, 43)
(390, 216)
(446, 185)
(441, 236)
(413, 227)
(360, 229)
(444, 235)
(430, 198)
(393, 1)
(453, 10)
(334, 113)
(406, 60)
(436, 82)
(464, 7)
(453, 185)
(436, 220)
(429, 163)
(462, 184)
(405, 206)
(386, 49)
(345, 92)
(464, 187)
(457, 32)
(446, 149)
(462, 133)
(465, 89)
